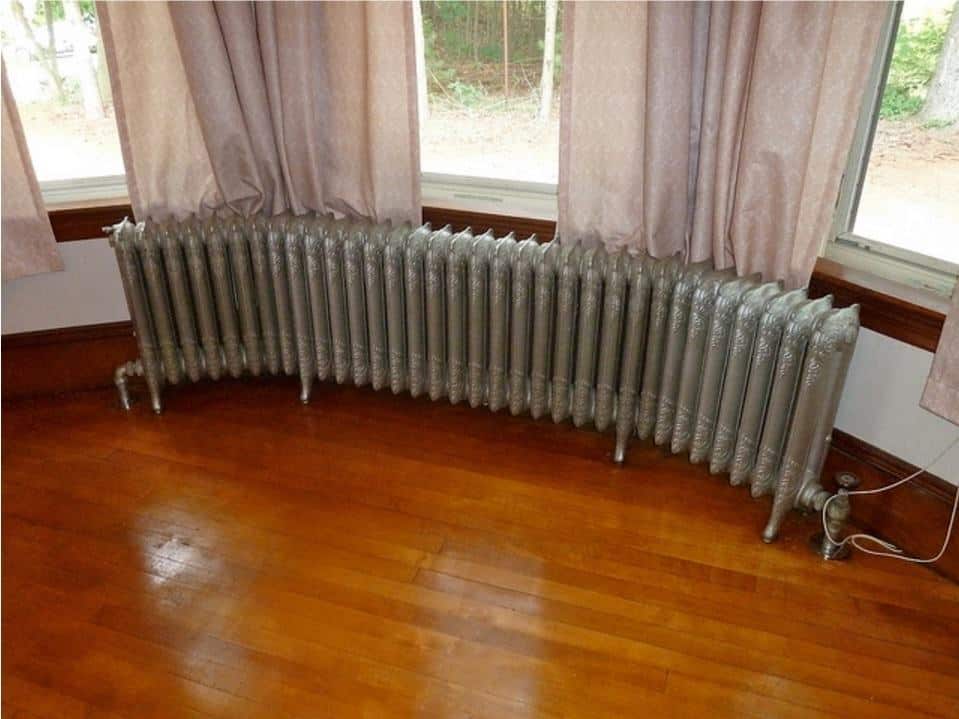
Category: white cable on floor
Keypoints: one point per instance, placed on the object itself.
(892, 550)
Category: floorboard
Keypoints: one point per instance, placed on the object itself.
(370, 555)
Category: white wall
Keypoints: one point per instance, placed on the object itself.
(87, 292)
(880, 403)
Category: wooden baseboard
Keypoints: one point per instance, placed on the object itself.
(914, 517)
(70, 359)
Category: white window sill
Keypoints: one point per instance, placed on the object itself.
(501, 197)
(894, 264)
(534, 200)
(70, 193)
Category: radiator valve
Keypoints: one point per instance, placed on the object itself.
(837, 516)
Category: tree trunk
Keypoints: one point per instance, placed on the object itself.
(506, 51)
(87, 71)
(103, 76)
(46, 54)
(52, 51)
(419, 47)
(549, 60)
(474, 33)
(942, 98)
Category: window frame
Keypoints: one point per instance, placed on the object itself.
(79, 191)
(532, 200)
(843, 245)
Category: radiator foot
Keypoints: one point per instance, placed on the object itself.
(827, 549)
(156, 402)
(305, 392)
(619, 454)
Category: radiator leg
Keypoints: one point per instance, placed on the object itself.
(625, 424)
(619, 454)
(153, 384)
(306, 388)
(120, 377)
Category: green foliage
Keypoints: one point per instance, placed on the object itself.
(87, 10)
(914, 56)
(491, 52)
(936, 124)
(899, 102)
(464, 44)
(453, 17)
(466, 94)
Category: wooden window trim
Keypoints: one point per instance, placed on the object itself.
(892, 309)
(899, 311)
(522, 227)
(86, 221)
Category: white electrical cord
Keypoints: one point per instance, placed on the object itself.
(891, 549)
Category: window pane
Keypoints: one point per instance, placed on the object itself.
(486, 114)
(910, 198)
(58, 76)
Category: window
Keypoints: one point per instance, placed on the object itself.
(489, 115)
(898, 210)
(58, 76)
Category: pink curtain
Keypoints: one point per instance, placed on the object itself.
(266, 106)
(941, 394)
(28, 243)
(717, 130)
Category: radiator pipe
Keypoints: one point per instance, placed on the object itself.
(836, 517)
(136, 368)
(125, 370)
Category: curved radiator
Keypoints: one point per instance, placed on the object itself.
(739, 374)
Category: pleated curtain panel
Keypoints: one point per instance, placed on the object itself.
(267, 107)
(28, 243)
(719, 130)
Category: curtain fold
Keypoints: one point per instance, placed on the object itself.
(941, 393)
(694, 143)
(266, 107)
(29, 246)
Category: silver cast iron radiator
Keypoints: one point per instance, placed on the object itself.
(741, 375)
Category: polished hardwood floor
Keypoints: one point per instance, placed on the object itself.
(370, 555)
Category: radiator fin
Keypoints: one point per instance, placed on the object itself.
(375, 285)
(738, 364)
(263, 282)
(182, 299)
(544, 308)
(457, 314)
(567, 313)
(436, 256)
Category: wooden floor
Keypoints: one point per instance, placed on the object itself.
(371, 555)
